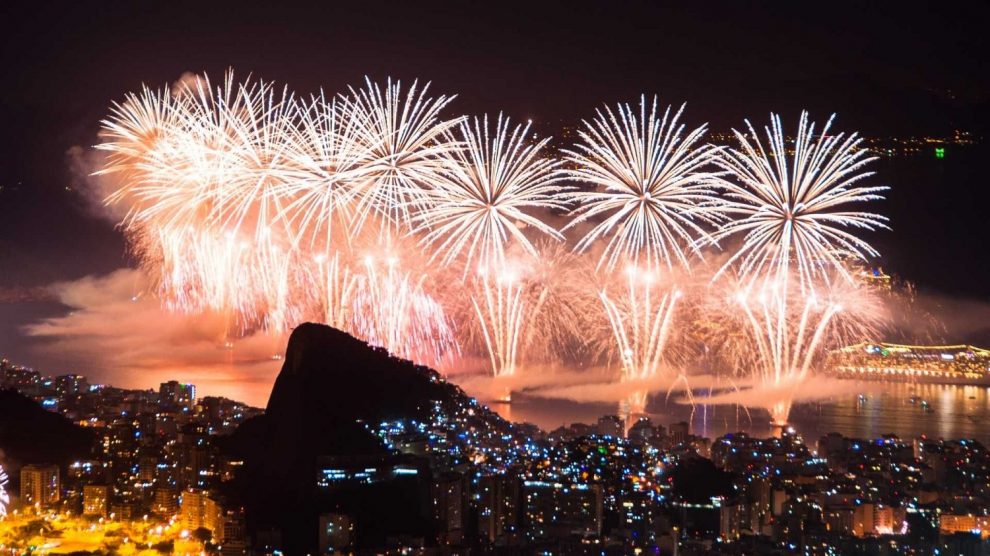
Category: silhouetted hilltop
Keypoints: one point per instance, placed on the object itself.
(331, 383)
(30, 434)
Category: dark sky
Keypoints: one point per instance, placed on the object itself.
(887, 68)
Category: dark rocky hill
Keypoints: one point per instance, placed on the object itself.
(30, 434)
(328, 382)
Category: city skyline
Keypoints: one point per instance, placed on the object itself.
(568, 277)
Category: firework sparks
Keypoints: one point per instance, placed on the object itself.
(246, 201)
(500, 308)
(790, 209)
(784, 333)
(392, 309)
(4, 497)
(656, 195)
(475, 211)
(640, 321)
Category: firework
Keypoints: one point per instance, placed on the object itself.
(362, 209)
(334, 285)
(199, 169)
(652, 186)
(487, 192)
(783, 333)
(332, 163)
(655, 195)
(392, 309)
(475, 211)
(500, 308)
(640, 321)
(405, 139)
(790, 207)
(4, 497)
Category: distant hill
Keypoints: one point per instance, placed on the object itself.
(328, 381)
(30, 434)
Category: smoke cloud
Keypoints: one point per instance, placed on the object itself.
(116, 333)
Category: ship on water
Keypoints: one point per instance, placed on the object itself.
(954, 364)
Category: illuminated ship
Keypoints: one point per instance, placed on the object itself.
(958, 364)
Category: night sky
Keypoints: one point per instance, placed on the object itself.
(891, 68)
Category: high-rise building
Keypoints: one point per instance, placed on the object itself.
(234, 533)
(498, 506)
(95, 500)
(555, 509)
(336, 532)
(450, 506)
(177, 394)
(40, 485)
(198, 510)
(166, 502)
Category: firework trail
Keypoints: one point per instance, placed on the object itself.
(335, 285)
(392, 309)
(785, 333)
(640, 320)
(500, 308)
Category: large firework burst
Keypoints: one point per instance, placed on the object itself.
(651, 182)
(405, 139)
(487, 192)
(791, 207)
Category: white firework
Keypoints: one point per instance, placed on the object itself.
(404, 137)
(331, 167)
(487, 192)
(651, 186)
(4, 497)
(792, 206)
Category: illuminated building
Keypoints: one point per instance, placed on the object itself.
(177, 394)
(198, 510)
(71, 384)
(450, 506)
(95, 500)
(964, 523)
(958, 364)
(341, 470)
(39, 485)
(559, 510)
(166, 502)
(498, 506)
(336, 532)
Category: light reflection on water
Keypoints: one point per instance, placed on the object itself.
(954, 412)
